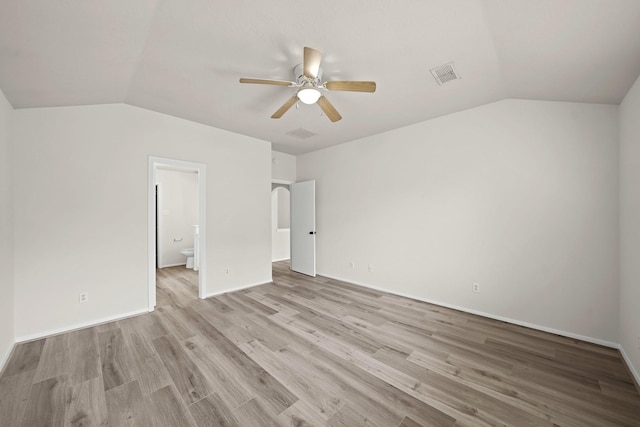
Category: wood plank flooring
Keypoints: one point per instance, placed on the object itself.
(311, 352)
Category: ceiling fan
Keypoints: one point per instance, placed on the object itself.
(308, 81)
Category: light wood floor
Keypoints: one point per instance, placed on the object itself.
(304, 351)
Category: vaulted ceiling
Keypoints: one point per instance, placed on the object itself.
(184, 58)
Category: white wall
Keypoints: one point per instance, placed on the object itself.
(7, 326)
(519, 196)
(284, 208)
(630, 227)
(283, 167)
(81, 209)
(179, 213)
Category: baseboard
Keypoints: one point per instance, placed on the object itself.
(5, 358)
(172, 265)
(281, 259)
(483, 314)
(239, 288)
(630, 367)
(45, 334)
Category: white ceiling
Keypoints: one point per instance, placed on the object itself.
(184, 57)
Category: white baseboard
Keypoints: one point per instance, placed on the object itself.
(172, 265)
(44, 334)
(239, 288)
(483, 314)
(281, 259)
(5, 357)
(630, 366)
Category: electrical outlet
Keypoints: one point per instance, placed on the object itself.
(475, 287)
(370, 268)
(352, 265)
(226, 271)
(84, 297)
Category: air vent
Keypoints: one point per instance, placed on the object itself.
(301, 133)
(445, 73)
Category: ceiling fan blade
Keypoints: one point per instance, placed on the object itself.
(266, 82)
(285, 107)
(352, 86)
(311, 64)
(329, 109)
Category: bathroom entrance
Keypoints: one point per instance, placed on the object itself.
(176, 230)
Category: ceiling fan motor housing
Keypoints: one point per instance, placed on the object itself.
(301, 79)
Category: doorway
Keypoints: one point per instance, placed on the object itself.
(156, 238)
(280, 222)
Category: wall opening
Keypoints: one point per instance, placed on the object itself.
(163, 252)
(280, 222)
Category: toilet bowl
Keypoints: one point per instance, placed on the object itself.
(189, 254)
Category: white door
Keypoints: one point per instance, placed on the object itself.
(303, 227)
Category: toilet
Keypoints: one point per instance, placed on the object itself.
(189, 254)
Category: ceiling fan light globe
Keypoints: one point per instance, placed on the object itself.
(309, 95)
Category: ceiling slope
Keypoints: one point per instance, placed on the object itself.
(184, 58)
(71, 52)
(569, 50)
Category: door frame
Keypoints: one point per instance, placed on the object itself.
(154, 163)
(159, 224)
